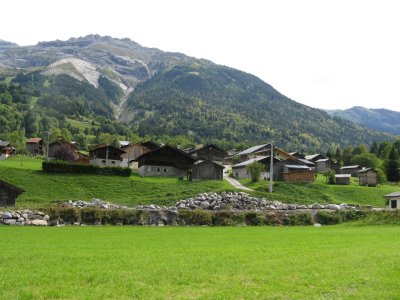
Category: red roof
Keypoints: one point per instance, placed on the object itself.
(34, 140)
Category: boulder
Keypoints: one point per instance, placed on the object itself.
(39, 223)
(6, 215)
(10, 221)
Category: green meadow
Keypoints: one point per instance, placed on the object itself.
(330, 262)
(44, 188)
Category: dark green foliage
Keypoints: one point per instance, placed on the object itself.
(299, 219)
(393, 166)
(367, 160)
(64, 167)
(327, 218)
(255, 170)
(227, 218)
(254, 218)
(195, 217)
(112, 90)
(330, 176)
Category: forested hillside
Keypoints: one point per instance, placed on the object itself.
(379, 119)
(77, 90)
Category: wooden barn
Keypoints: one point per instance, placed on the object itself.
(61, 148)
(165, 161)
(239, 170)
(6, 150)
(8, 193)
(368, 177)
(34, 146)
(206, 169)
(315, 157)
(131, 153)
(298, 173)
(106, 155)
(394, 200)
(343, 179)
(352, 170)
(210, 152)
(324, 164)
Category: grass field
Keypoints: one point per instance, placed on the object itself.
(331, 262)
(320, 192)
(43, 188)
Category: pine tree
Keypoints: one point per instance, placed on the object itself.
(393, 166)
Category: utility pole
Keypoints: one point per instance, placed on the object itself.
(47, 133)
(271, 167)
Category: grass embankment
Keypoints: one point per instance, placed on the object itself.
(43, 188)
(321, 192)
(200, 262)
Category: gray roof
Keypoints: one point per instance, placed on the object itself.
(252, 149)
(349, 167)
(343, 175)
(4, 144)
(395, 194)
(305, 161)
(322, 160)
(248, 162)
(366, 170)
(308, 157)
(297, 167)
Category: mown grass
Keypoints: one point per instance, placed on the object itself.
(321, 192)
(331, 262)
(44, 188)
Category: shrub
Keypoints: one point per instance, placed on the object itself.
(299, 219)
(254, 218)
(327, 218)
(195, 217)
(227, 218)
(255, 170)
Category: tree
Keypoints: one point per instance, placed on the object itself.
(329, 176)
(360, 149)
(347, 154)
(393, 165)
(65, 153)
(255, 170)
(367, 160)
(374, 148)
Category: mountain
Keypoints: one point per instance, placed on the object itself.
(118, 86)
(379, 119)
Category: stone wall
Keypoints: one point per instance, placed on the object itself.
(24, 217)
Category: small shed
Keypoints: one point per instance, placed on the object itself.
(298, 173)
(342, 179)
(368, 177)
(8, 193)
(394, 200)
(206, 169)
(34, 146)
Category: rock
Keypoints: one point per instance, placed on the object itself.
(333, 206)
(317, 225)
(291, 207)
(6, 215)
(316, 206)
(39, 222)
(205, 204)
(10, 221)
(46, 218)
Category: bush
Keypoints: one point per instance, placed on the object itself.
(254, 218)
(65, 167)
(227, 218)
(195, 217)
(327, 218)
(299, 219)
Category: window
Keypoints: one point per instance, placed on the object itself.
(103, 161)
(113, 162)
(158, 169)
(165, 170)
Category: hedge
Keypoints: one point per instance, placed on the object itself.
(65, 167)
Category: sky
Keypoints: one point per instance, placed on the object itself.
(325, 54)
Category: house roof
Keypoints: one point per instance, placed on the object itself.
(4, 144)
(311, 156)
(350, 167)
(207, 161)
(366, 170)
(322, 160)
(208, 146)
(12, 187)
(34, 140)
(108, 146)
(305, 161)
(252, 149)
(300, 167)
(395, 194)
(343, 175)
(150, 145)
(250, 161)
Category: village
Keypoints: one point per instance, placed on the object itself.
(204, 162)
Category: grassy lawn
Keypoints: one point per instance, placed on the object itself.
(320, 192)
(43, 188)
(331, 262)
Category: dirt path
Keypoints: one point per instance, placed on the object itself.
(234, 182)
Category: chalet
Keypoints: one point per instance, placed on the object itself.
(206, 169)
(209, 152)
(150, 145)
(106, 155)
(165, 161)
(6, 150)
(298, 173)
(394, 200)
(131, 153)
(8, 194)
(239, 170)
(352, 170)
(34, 146)
(63, 150)
(315, 157)
(263, 150)
(325, 164)
(343, 179)
(368, 177)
